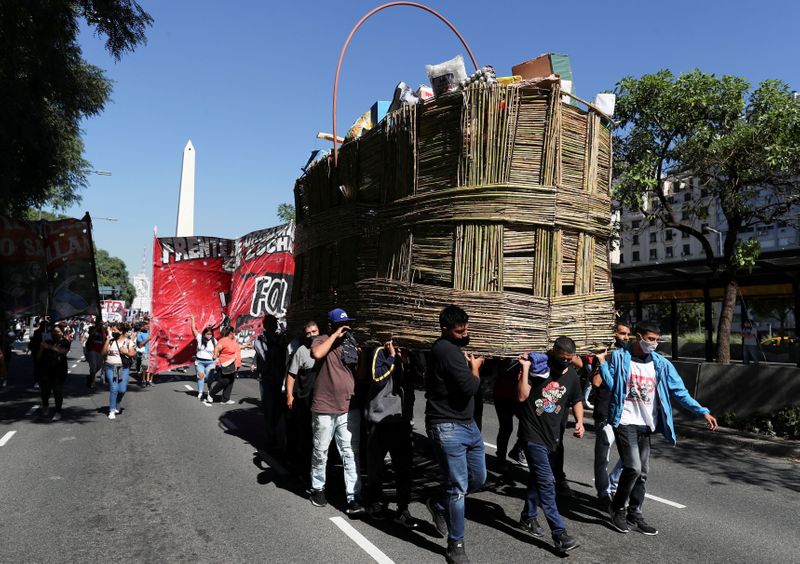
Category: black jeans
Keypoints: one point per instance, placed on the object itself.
(52, 381)
(633, 444)
(300, 438)
(506, 410)
(273, 404)
(225, 383)
(393, 437)
(557, 460)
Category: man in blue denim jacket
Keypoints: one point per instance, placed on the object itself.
(641, 382)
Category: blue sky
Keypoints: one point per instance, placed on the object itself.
(250, 83)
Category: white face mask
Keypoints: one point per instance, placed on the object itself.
(647, 346)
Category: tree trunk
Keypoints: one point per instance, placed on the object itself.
(725, 320)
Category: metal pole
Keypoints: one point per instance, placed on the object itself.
(353, 32)
(709, 324)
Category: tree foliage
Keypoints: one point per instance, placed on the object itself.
(111, 271)
(47, 88)
(743, 146)
(286, 212)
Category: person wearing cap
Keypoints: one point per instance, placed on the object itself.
(332, 416)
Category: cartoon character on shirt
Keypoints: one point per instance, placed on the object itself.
(548, 403)
(641, 389)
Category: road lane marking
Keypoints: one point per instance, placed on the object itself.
(33, 409)
(664, 501)
(490, 445)
(188, 387)
(61, 440)
(7, 437)
(361, 541)
(229, 424)
(74, 365)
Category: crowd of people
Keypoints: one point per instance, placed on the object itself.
(325, 387)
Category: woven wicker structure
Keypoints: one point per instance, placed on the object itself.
(495, 198)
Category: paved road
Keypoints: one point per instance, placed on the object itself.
(172, 480)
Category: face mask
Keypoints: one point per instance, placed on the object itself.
(461, 342)
(115, 336)
(619, 343)
(647, 346)
(559, 364)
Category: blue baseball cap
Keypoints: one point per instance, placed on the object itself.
(338, 315)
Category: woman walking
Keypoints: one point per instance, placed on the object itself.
(204, 358)
(119, 352)
(229, 355)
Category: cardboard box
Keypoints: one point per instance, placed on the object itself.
(544, 65)
(378, 111)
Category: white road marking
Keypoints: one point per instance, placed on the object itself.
(188, 387)
(33, 409)
(490, 445)
(361, 541)
(61, 440)
(74, 365)
(56, 478)
(7, 437)
(229, 424)
(664, 501)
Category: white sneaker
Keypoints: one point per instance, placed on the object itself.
(229, 402)
(112, 415)
(117, 411)
(56, 417)
(209, 399)
(199, 395)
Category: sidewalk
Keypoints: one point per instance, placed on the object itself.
(773, 446)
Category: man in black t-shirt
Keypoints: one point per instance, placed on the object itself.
(53, 360)
(553, 389)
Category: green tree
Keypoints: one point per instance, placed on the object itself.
(286, 212)
(111, 271)
(48, 89)
(743, 146)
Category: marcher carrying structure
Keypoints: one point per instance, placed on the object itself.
(494, 197)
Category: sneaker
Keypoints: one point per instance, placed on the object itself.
(209, 399)
(318, 498)
(563, 489)
(199, 395)
(637, 523)
(531, 525)
(437, 517)
(564, 542)
(376, 511)
(604, 502)
(354, 508)
(618, 521)
(229, 402)
(456, 554)
(117, 411)
(518, 457)
(404, 519)
(57, 417)
(112, 415)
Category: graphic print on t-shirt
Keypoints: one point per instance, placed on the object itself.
(548, 403)
(641, 388)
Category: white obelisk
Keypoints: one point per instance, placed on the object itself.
(185, 225)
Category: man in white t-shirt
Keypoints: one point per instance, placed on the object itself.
(641, 383)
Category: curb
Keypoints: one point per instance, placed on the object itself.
(742, 439)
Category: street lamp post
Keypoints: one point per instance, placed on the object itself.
(719, 238)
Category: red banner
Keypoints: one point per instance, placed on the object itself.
(195, 276)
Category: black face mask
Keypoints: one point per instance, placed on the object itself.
(460, 342)
(115, 336)
(559, 364)
(620, 344)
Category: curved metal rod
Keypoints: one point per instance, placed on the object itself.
(353, 32)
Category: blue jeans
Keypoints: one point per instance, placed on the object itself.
(345, 429)
(633, 443)
(205, 369)
(541, 487)
(117, 377)
(459, 451)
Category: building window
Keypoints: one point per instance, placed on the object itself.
(687, 197)
(635, 256)
(653, 254)
(636, 224)
(635, 239)
(652, 237)
(668, 235)
(687, 250)
(668, 252)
